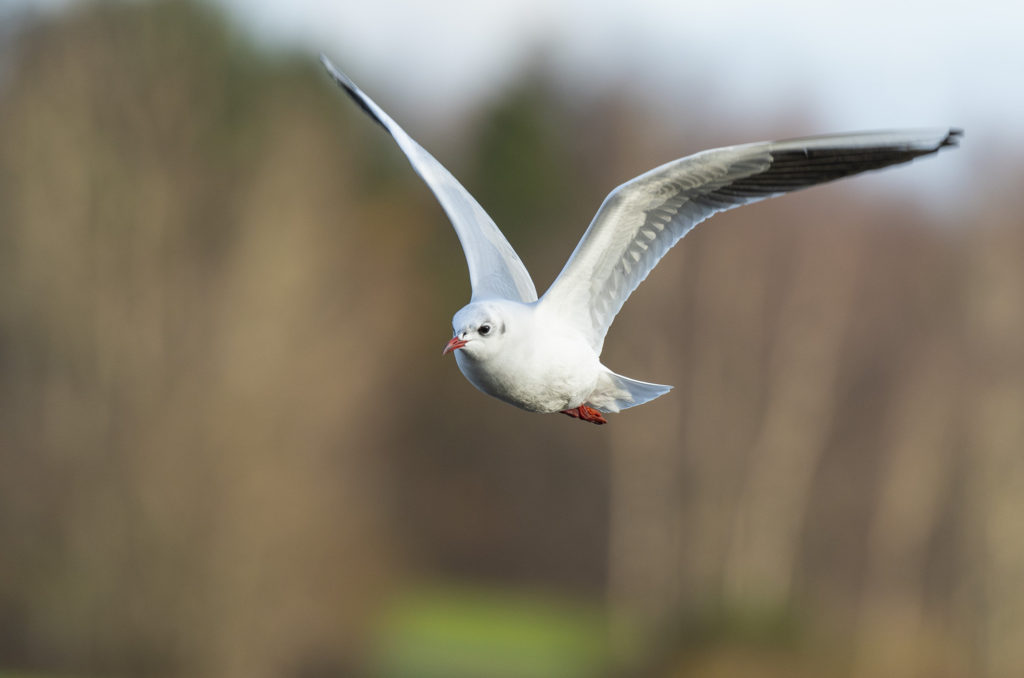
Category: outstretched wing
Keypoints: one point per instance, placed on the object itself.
(495, 269)
(640, 220)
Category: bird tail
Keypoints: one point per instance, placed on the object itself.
(625, 393)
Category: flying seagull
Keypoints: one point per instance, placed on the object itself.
(544, 355)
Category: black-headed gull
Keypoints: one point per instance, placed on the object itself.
(544, 355)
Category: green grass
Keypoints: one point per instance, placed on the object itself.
(452, 633)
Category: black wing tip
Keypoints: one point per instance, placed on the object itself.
(953, 137)
(336, 75)
(350, 88)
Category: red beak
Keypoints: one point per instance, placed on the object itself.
(454, 343)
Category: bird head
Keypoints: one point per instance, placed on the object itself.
(479, 329)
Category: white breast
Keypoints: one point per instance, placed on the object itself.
(543, 367)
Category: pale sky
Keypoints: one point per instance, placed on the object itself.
(869, 64)
(864, 63)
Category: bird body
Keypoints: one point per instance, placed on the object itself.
(535, 358)
(531, 360)
(543, 355)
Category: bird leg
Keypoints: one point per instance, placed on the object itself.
(586, 414)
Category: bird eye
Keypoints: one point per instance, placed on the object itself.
(484, 330)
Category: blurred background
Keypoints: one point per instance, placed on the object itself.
(229, 445)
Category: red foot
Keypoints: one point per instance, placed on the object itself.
(586, 414)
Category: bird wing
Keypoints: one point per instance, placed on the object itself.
(643, 218)
(495, 269)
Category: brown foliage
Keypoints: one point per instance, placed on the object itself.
(226, 435)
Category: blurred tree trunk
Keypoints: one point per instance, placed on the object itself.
(800, 405)
(995, 444)
(189, 484)
(897, 636)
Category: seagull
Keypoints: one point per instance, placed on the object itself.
(544, 354)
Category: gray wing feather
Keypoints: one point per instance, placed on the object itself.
(642, 219)
(495, 269)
